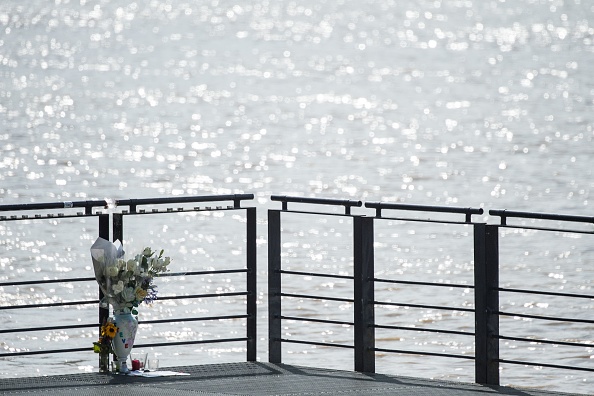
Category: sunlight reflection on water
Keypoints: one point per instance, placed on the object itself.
(480, 104)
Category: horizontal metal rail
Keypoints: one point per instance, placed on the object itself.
(48, 305)
(348, 204)
(179, 343)
(403, 282)
(550, 229)
(311, 297)
(90, 302)
(88, 205)
(164, 275)
(48, 328)
(197, 319)
(546, 293)
(94, 325)
(152, 345)
(45, 352)
(134, 203)
(424, 329)
(326, 344)
(468, 212)
(316, 274)
(555, 366)
(420, 220)
(303, 319)
(209, 295)
(505, 214)
(438, 307)
(549, 318)
(44, 281)
(540, 341)
(407, 352)
(48, 216)
(209, 272)
(156, 211)
(310, 213)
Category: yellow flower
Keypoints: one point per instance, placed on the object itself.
(109, 330)
(140, 293)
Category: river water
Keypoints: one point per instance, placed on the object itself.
(444, 102)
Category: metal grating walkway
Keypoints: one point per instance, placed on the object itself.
(252, 379)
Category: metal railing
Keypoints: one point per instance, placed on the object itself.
(87, 205)
(489, 240)
(380, 209)
(250, 269)
(116, 226)
(486, 310)
(275, 272)
(20, 214)
(485, 255)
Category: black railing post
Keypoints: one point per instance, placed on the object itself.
(274, 287)
(103, 312)
(103, 233)
(486, 297)
(252, 276)
(364, 309)
(118, 227)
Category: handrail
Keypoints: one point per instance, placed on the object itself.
(88, 205)
(133, 203)
(378, 206)
(347, 203)
(504, 214)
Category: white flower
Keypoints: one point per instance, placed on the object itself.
(111, 271)
(129, 294)
(131, 265)
(118, 287)
(153, 262)
(137, 271)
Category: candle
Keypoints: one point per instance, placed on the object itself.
(135, 364)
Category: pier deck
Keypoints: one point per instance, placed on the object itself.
(252, 378)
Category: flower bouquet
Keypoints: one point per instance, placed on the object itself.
(126, 283)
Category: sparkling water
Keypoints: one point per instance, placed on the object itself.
(444, 102)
